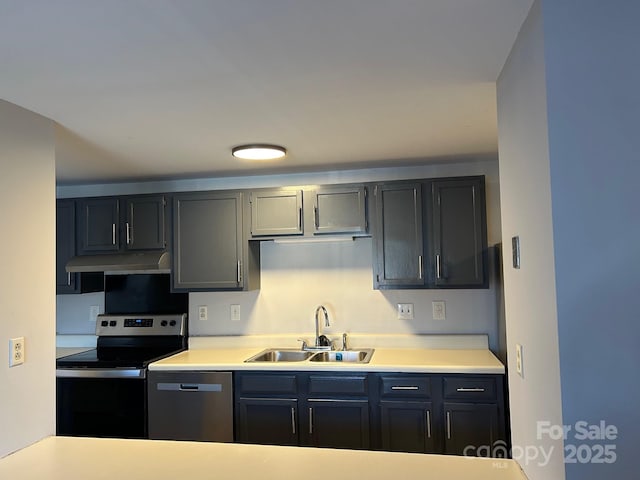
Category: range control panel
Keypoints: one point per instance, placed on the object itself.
(131, 325)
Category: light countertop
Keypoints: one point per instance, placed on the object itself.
(65, 351)
(63, 458)
(409, 360)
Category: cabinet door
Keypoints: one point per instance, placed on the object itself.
(144, 226)
(398, 236)
(340, 210)
(207, 249)
(407, 426)
(276, 212)
(98, 225)
(65, 245)
(338, 423)
(469, 426)
(459, 236)
(267, 421)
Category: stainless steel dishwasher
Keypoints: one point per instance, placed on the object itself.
(190, 406)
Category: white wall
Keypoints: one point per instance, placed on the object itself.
(593, 80)
(525, 197)
(296, 278)
(27, 283)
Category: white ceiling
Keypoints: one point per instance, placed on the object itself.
(149, 89)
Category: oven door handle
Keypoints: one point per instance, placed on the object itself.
(101, 373)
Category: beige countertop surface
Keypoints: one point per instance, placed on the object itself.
(409, 360)
(63, 458)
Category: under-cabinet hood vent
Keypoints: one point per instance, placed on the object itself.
(159, 262)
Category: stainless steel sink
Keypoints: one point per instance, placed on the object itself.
(346, 356)
(280, 355)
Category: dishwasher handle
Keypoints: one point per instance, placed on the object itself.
(189, 387)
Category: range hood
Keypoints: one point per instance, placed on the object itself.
(146, 262)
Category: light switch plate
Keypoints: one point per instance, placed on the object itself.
(438, 310)
(202, 313)
(235, 313)
(405, 311)
(519, 370)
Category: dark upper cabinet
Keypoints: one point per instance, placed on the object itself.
(113, 224)
(459, 233)
(66, 249)
(276, 212)
(398, 236)
(445, 218)
(98, 224)
(340, 209)
(144, 228)
(208, 241)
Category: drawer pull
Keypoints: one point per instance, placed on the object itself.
(463, 389)
(409, 387)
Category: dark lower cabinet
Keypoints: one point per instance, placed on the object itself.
(471, 429)
(339, 423)
(407, 427)
(268, 421)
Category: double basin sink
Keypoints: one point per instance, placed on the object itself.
(329, 356)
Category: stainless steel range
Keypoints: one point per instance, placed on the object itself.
(103, 392)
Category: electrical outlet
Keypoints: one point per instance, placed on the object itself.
(16, 351)
(438, 310)
(203, 315)
(235, 313)
(405, 311)
(94, 311)
(519, 370)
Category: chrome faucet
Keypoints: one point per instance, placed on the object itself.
(321, 341)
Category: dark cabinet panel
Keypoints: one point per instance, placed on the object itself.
(340, 210)
(407, 426)
(65, 245)
(276, 212)
(459, 236)
(398, 247)
(99, 225)
(338, 423)
(469, 426)
(208, 246)
(144, 228)
(267, 421)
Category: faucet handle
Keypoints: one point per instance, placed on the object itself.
(344, 341)
(305, 345)
(325, 341)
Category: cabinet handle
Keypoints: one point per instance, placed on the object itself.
(300, 218)
(113, 234)
(315, 217)
(463, 389)
(310, 420)
(438, 267)
(448, 425)
(68, 279)
(408, 387)
(428, 423)
(239, 273)
(128, 233)
(420, 266)
(293, 420)
(189, 387)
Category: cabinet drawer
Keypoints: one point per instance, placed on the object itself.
(268, 384)
(404, 386)
(348, 385)
(470, 388)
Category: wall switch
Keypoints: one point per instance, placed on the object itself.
(94, 311)
(405, 311)
(235, 313)
(202, 313)
(438, 310)
(519, 370)
(16, 351)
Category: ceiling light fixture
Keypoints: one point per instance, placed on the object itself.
(259, 151)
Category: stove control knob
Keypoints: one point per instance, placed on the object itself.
(104, 323)
(113, 323)
(172, 323)
(163, 323)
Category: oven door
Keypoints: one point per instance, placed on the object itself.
(101, 402)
